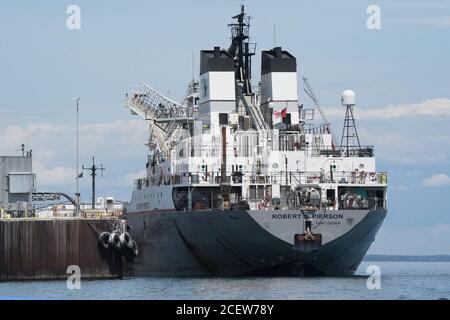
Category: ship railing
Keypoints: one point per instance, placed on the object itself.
(354, 151)
(310, 128)
(371, 203)
(293, 178)
(297, 178)
(344, 177)
(365, 204)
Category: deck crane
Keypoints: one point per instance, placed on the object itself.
(166, 117)
(310, 93)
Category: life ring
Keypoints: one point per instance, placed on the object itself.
(350, 200)
(265, 203)
(103, 240)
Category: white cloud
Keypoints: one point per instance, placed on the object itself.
(57, 176)
(437, 180)
(128, 179)
(118, 145)
(427, 240)
(432, 108)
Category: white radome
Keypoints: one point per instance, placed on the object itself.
(348, 98)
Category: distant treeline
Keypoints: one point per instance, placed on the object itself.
(402, 258)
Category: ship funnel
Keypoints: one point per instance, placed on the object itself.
(279, 100)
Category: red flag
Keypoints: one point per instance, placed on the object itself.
(281, 113)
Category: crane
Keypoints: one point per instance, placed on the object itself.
(166, 117)
(310, 93)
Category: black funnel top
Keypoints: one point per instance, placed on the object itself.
(277, 60)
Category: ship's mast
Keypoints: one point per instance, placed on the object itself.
(350, 139)
(240, 49)
(94, 170)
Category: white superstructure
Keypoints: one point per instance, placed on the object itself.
(228, 145)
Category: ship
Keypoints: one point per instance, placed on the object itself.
(241, 180)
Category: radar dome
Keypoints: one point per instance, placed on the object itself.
(348, 98)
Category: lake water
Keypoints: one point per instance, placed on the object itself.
(399, 280)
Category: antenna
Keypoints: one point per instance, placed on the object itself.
(77, 191)
(349, 132)
(192, 58)
(93, 170)
(274, 34)
(240, 49)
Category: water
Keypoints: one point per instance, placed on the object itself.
(399, 280)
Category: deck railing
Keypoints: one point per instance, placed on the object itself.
(281, 177)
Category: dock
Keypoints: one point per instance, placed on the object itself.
(44, 248)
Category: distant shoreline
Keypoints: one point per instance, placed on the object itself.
(407, 258)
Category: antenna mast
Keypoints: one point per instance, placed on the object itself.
(349, 133)
(93, 170)
(240, 49)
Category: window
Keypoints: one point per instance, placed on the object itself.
(204, 88)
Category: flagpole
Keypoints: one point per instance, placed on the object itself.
(77, 193)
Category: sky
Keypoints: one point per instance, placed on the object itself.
(400, 73)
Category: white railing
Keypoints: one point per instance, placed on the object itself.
(282, 177)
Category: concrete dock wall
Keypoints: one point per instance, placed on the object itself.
(33, 249)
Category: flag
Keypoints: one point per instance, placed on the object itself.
(281, 113)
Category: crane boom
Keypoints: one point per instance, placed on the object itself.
(152, 105)
(166, 117)
(313, 97)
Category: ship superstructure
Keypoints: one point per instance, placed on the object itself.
(240, 180)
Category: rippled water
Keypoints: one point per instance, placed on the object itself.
(399, 280)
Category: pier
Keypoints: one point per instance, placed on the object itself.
(43, 248)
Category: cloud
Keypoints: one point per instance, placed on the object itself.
(432, 108)
(129, 178)
(426, 240)
(57, 176)
(118, 145)
(437, 180)
(409, 134)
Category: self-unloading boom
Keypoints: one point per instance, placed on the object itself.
(313, 97)
(166, 117)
